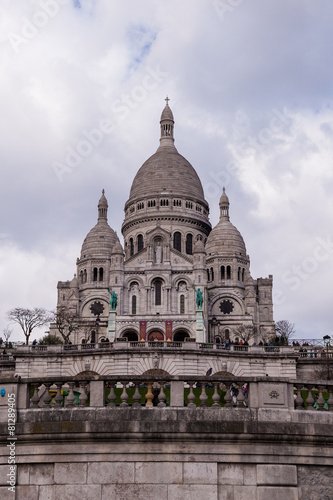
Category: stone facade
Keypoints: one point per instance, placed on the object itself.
(170, 252)
(170, 454)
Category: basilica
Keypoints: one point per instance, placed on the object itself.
(175, 278)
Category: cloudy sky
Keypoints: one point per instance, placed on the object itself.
(82, 87)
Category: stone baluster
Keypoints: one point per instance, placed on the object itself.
(309, 400)
(46, 398)
(330, 398)
(299, 400)
(112, 398)
(191, 396)
(149, 395)
(203, 396)
(227, 396)
(83, 394)
(162, 396)
(321, 400)
(216, 397)
(58, 398)
(124, 396)
(70, 398)
(35, 398)
(136, 397)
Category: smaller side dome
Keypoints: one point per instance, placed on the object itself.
(225, 239)
(101, 238)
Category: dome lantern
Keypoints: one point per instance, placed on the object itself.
(167, 124)
(224, 206)
(103, 207)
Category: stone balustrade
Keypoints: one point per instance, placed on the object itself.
(165, 391)
(124, 344)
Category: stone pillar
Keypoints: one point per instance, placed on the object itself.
(200, 327)
(177, 393)
(96, 393)
(111, 330)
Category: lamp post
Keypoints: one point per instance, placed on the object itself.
(97, 325)
(327, 339)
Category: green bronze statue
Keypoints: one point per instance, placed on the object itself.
(199, 299)
(113, 300)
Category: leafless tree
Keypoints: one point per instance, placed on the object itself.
(29, 319)
(244, 332)
(285, 330)
(323, 363)
(7, 333)
(66, 322)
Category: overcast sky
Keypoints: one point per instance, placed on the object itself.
(82, 87)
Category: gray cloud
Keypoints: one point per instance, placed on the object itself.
(225, 75)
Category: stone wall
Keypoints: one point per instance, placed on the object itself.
(171, 454)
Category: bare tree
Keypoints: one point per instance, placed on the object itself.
(66, 322)
(7, 333)
(285, 330)
(244, 332)
(29, 319)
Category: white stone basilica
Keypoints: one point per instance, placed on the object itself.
(170, 253)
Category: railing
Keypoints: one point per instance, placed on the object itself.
(314, 354)
(124, 344)
(190, 392)
(311, 396)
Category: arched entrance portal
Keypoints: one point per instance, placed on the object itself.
(180, 336)
(131, 336)
(155, 335)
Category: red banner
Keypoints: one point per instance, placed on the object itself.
(168, 330)
(143, 330)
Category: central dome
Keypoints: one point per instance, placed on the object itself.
(167, 171)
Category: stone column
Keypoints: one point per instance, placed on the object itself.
(111, 330)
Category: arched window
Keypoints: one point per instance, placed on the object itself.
(140, 242)
(177, 241)
(85, 276)
(227, 333)
(101, 273)
(212, 273)
(131, 242)
(81, 277)
(182, 304)
(95, 274)
(222, 273)
(239, 274)
(158, 292)
(130, 336)
(134, 304)
(208, 276)
(228, 273)
(243, 275)
(189, 243)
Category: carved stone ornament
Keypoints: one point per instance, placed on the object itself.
(274, 394)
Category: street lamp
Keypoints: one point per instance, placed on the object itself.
(327, 339)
